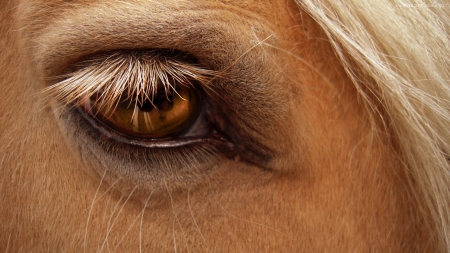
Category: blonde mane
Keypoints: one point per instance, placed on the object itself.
(397, 56)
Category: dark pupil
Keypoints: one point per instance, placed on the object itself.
(162, 101)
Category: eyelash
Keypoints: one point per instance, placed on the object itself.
(136, 75)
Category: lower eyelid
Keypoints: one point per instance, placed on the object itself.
(140, 165)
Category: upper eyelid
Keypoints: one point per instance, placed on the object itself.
(71, 38)
(218, 46)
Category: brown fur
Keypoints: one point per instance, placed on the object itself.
(328, 181)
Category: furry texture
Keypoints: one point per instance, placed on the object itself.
(341, 124)
(401, 54)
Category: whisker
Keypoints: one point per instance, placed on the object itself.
(111, 225)
(195, 222)
(109, 188)
(128, 230)
(176, 217)
(174, 237)
(8, 243)
(108, 230)
(142, 221)
(90, 211)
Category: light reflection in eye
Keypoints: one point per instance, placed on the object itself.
(163, 116)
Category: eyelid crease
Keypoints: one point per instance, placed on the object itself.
(135, 74)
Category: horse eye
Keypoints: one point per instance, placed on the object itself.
(150, 98)
(165, 114)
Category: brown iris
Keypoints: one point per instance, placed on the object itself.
(165, 115)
